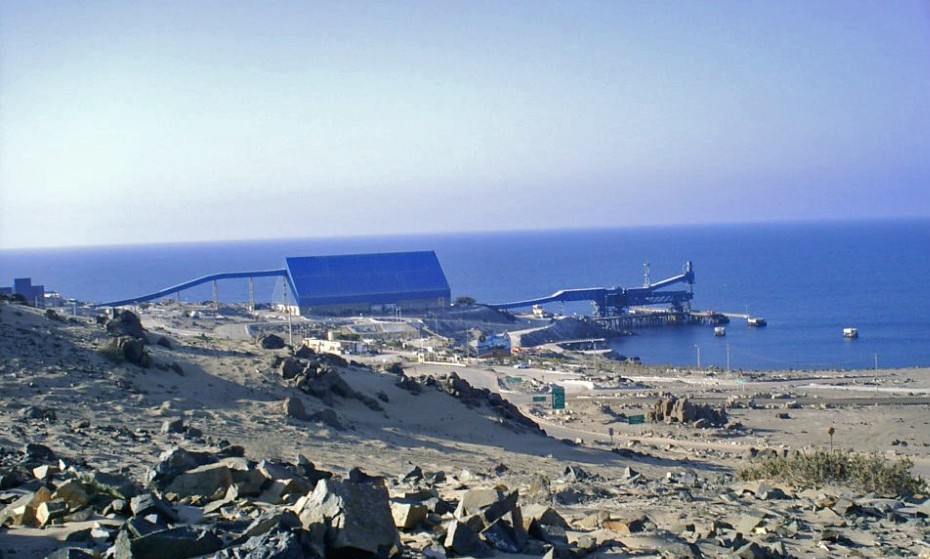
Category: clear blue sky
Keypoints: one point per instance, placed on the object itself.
(165, 121)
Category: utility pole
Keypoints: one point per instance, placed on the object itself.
(698, 348)
(287, 311)
(728, 358)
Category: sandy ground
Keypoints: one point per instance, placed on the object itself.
(110, 415)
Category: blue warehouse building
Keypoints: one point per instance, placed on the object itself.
(368, 283)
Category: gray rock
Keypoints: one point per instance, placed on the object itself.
(544, 515)
(291, 367)
(172, 426)
(408, 514)
(116, 485)
(70, 553)
(353, 516)
(210, 481)
(752, 550)
(277, 544)
(490, 504)
(682, 410)
(327, 417)
(50, 511)
(460, 539)
(139, 526)
(270, 521)
(294, 407)
(131, 349)
(178, 543)
(38, 452)
(126, 323)
(270, 341)
(35, 412)
(147, 503)
(504, 536)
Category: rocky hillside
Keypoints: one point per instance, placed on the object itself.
(120, 442)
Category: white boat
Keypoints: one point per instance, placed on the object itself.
(720, 331)
(850, 332)
(756, 321)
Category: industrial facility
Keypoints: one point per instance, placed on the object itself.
(368, 283)
(343, 284)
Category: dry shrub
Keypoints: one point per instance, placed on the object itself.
(865, 472)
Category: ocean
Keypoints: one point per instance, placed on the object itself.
(809, 280)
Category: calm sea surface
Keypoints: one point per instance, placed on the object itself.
(808, 280)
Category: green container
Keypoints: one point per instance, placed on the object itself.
(636, 419)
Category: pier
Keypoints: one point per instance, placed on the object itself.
(622, 309)
(614, 301)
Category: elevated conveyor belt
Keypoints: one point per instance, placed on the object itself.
(193, 283)
(615, 299)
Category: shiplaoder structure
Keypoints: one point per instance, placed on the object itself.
(345, 284)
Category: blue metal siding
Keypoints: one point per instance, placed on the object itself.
(367, 278)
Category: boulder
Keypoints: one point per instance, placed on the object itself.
(542, 514)
(294, 407)
(172, 426)
(271, 341)
(117, 485)
(35, 412)
(304, 352)
(72, 493)
(291, 367)
(51, 510)
(34, 452)
(210, 481)
(271, 521)
(125, 323)
(353, 517)
(70, 553)
(487, 504)
(408, 514)
(462, 540)
(177, 460)
(148, 503)
(131, 349)
(327, 417)
(178, 543)
(283, 482)
(276, 544)
(506, 536)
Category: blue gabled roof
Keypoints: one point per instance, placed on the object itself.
(366, 278)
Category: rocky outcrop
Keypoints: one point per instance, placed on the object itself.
(460, 388)
(125, 323)
(320, 378)
(681, 410)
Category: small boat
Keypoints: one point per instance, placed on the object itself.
(850, 333)
(756, 321)
(720, 331)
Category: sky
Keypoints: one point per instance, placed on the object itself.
(145, 122)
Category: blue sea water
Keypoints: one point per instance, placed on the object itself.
(809, 280)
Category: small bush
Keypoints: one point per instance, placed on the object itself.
(866, 472)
